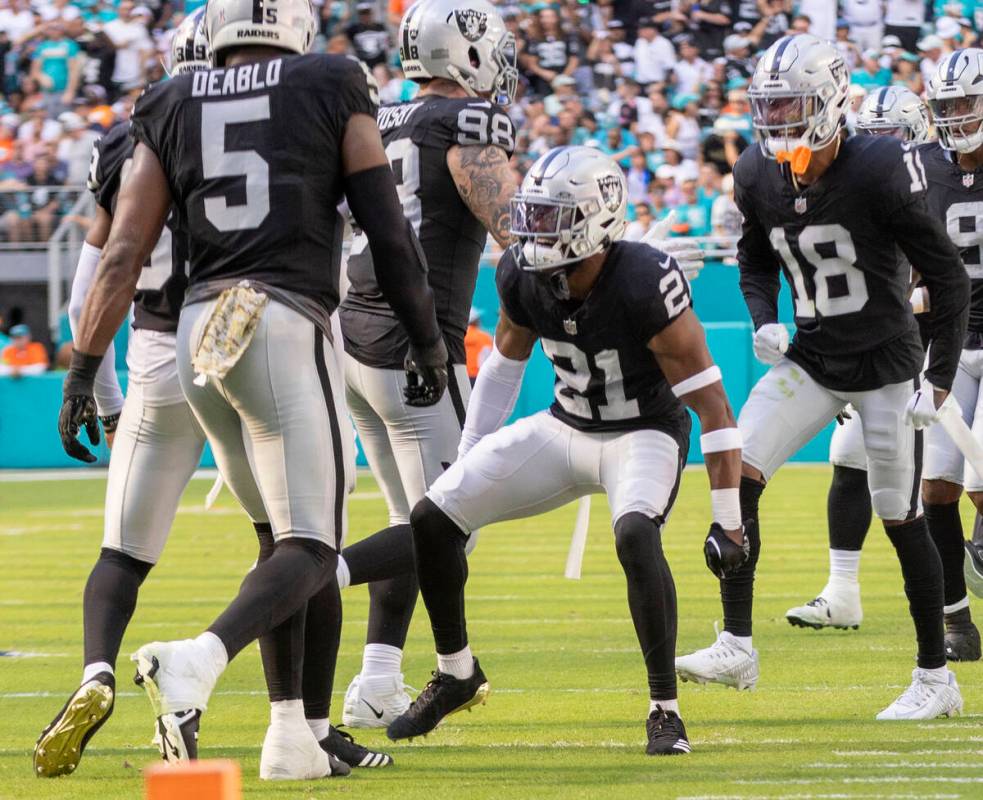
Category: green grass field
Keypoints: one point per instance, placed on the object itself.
(565, 718)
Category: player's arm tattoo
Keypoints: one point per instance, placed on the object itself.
(486, 184)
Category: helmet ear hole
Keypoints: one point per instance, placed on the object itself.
(474, 58)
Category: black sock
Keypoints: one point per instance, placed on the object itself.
(922, 571)
(275, 590)
(322, 637)
(391, 604)
(848, 509)
(651, 599)
(978, 529)
(946, 530)
(386, 554)
(442, 569)
(737, 591)
(108, 603)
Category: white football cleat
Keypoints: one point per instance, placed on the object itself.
(926, 698)
(292, 753)
(178, 680)
(725, 661)
(836, 606)
(374, 702)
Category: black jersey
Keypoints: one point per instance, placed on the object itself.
(607, 379)
(252, 154)
(956, 197)
(164, 278)
(417, 136)
(842, 243)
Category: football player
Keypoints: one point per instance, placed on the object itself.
(629, 354)
(449, 148)
(833, 213)
(891, 111)
(231, 148)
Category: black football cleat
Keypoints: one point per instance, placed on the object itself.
(973, 568)
(341, 745)
(962, 639)
(60, 746)
(667, 734)
(443, 696)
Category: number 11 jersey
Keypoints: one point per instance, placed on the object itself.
(844, 244)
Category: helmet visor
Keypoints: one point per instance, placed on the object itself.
(539, 219)
(782, 116)
(897, 131)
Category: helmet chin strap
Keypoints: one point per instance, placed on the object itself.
(455, 73)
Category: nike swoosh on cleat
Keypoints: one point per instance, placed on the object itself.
(378, 714)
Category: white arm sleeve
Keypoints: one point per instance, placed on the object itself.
(492, 399)
(108, 394)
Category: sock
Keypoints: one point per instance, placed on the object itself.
(91, 670)
(743, 642)
(320, 728)
(391, 604)
(921, 568)
(651, 598)
(108, 603)
(844, 566)
(940, 674)
(278, 588)
(958, 606)
(214, 650)
(381, 660)
(442, 569)
(343, 574)
(459, 664)
(287, 712)
(667, 705)
(946, 529)
(322, 637)
(737, 591)
(848, 509)
(386, 554)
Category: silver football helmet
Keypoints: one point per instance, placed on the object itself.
(955, 95)
(798, 96)
(287, 24)
(465, 41)
(571, 205)
(189, 47)
(894, 111)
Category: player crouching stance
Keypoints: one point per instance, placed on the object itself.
(834, 215)
(628, 351)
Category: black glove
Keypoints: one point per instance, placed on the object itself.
(723, 556)
(426, 374)
(78, 407)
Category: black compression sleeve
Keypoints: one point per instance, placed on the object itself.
(400, 267)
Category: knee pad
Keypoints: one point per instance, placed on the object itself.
(636, 538)
(429, 523)
(890, 504)
(127, 563)
(881, 441)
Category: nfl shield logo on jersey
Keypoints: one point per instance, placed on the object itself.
(610, 187)
(969, 179)
(570, 326)
(471, 23)
(800, 205)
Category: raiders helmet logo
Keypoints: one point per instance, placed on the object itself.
(471, 23)
(611, 191)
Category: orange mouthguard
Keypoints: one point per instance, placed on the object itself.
(799, 159)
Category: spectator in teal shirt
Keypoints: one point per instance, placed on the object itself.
(620, 144)
(871, 75)
(56, 67)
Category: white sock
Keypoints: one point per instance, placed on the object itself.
(459, 664)
(287, 712)
(214, 650)
(844, 566)
(380, 660)
(320, 728)
(667, 705)
(343, 575)
(93, 669)
(941, 674)
(957, 606)
(743, 642)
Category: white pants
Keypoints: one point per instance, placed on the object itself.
(846, 448)
(943, 460)
(787, 408)
(540, 463)
(277, 422)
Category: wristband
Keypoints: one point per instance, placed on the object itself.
(110, 422)
(721, 440)
(81, 374)
(710, 375)
(725, 505)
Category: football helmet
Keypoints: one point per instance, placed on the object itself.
(189, 47)
(288, 25)
(798, 98)
(571, 205)
(955, 95)
(465, 41)
(894, 111)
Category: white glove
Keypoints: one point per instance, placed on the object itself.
(687, 253)
(770, 343)
(921, 411)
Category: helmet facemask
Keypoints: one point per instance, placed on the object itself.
(789, 124)
(959, 122)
